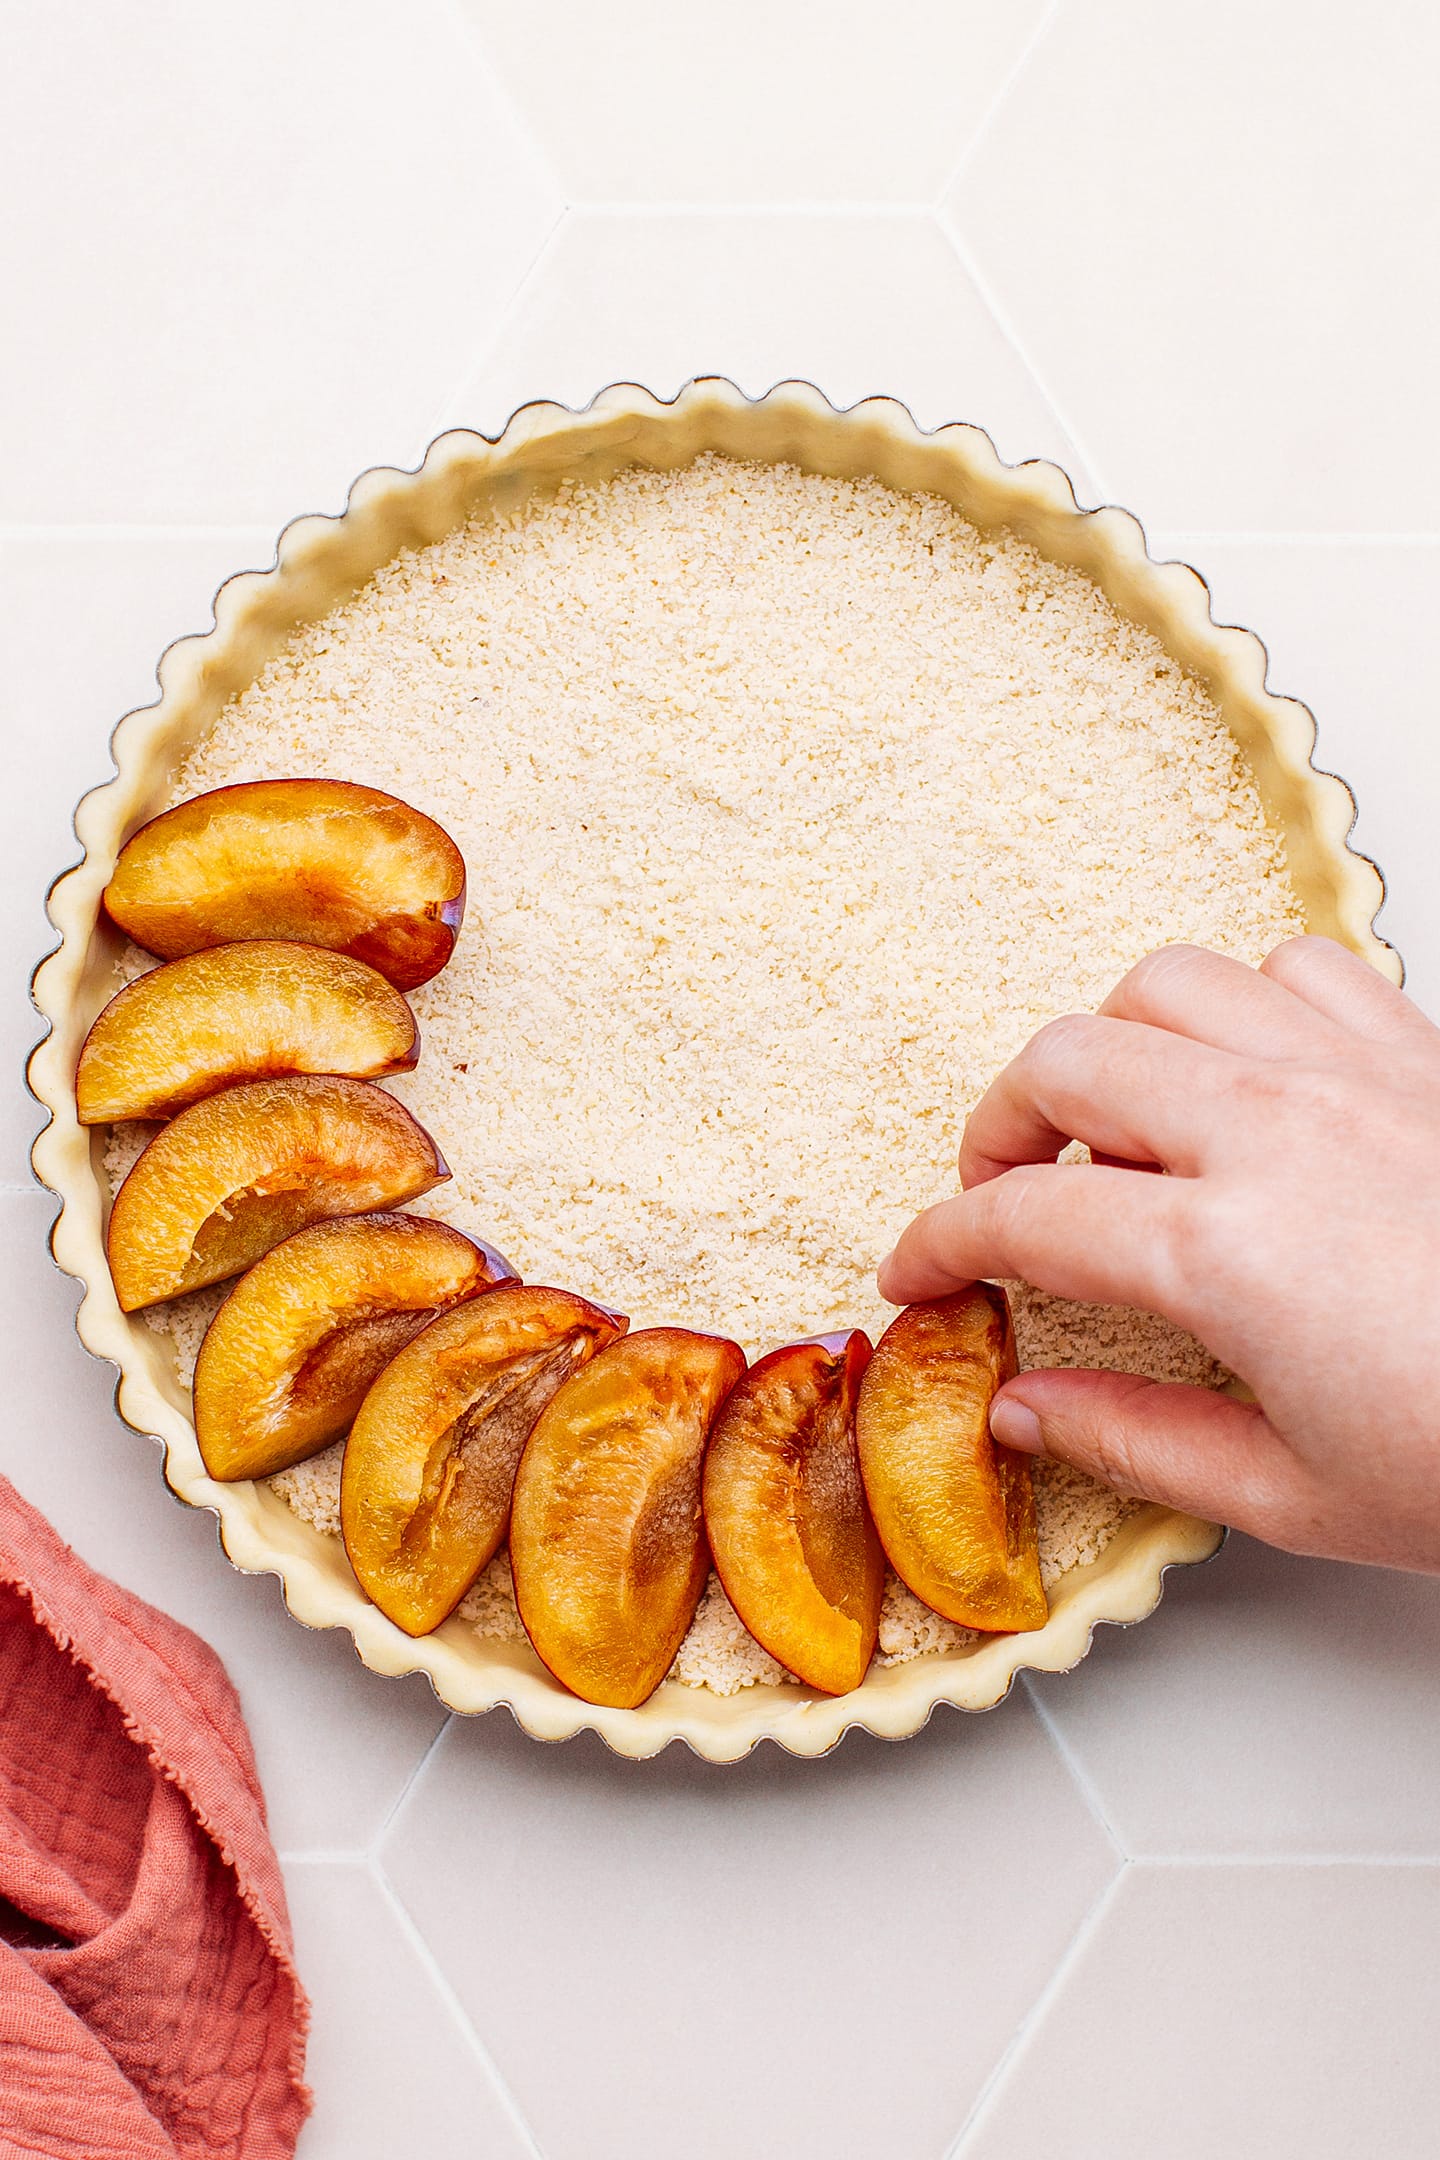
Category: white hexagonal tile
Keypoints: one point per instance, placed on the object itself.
(84, 618)
(1349, 630)
(259, 247)
(640, 102)
(814, 1959)
(394, 2067)
(1241, 2011)
(1214, 230)
(335, 1743)
(858, 305)
(1271, 1706)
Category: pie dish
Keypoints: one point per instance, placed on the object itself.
(321, 562)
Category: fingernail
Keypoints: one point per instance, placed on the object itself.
(1015, 1426)
(880, 1274)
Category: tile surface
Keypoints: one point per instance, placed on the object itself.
(1214, 1728)
(858, 305)
(1192, 257)
(1215, 232)
(781, 1956)
(1279, 2011)
(267, 240)
(394, 2069)
(1341, 624)
(789, 104)
(84, 617)
(335, 1743)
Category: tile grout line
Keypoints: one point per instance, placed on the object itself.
(119, 529)
(372, 1849)
(1044, 23)
(1285, 1860)
(1034, 2016)
(451, 1999)
(1011, 335)
(468, 32)
(1080, 1777)
(1184, 536)
(800, 207)
(450, 414)
(322, 1856)
(949, 223)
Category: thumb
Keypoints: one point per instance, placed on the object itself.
(1186, 1447)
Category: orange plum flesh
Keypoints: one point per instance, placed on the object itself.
(431, 1459)
(607, 1538)
(785, 1509)
(955, 1513)
(269, 1007)
(237, 1172)
(321, 861)
(289, 1357)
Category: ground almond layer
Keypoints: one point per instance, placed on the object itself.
(791, 807)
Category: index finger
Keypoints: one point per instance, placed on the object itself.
(1125, 1089)
(1211, 998)
(1110, 1237)
(1338, 984)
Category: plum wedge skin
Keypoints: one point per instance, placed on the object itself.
(431, 1458)
(321, 861)
(785, 1510)
(607, 1540)
(287, 1360)
(955, 1513)
(234, 1174)
(267, 1007)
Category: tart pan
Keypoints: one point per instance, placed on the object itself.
(320, 562)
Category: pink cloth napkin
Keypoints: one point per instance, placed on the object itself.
(149, 2005)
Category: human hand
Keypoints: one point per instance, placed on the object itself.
(1297, 1110)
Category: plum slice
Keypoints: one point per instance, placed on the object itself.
(431, 1458)
(235, 1173)
(289, 1357)
(321, 861)
(785, 1511)
(239, 1012)
(607, 1539)
(955, 1513)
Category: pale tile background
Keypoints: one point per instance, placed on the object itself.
(1186, 1900)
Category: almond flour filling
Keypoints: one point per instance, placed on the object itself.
(791, 807)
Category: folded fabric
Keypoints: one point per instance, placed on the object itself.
(149, 2005)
